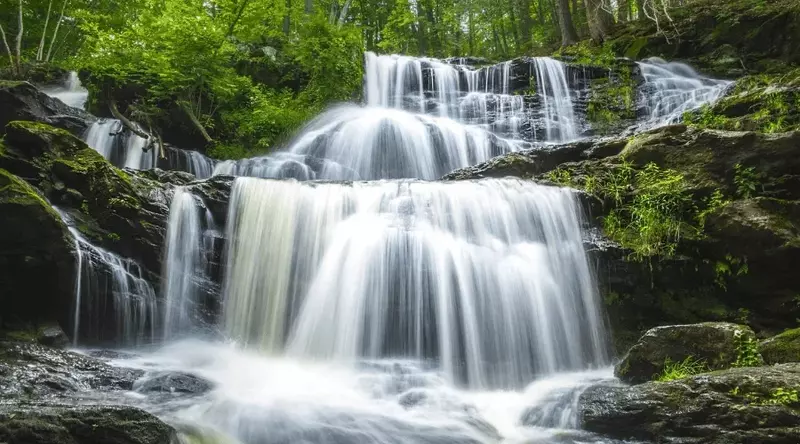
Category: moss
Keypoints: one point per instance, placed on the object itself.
(14, 190)
(10, 83)
(633, 50)
(784, 347)
(612, 100)
(587, 53)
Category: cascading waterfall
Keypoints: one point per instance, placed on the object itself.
(72, 93)
(422, 119)
(470, 274)
(110, 290)
(671, 89)
(125, 149)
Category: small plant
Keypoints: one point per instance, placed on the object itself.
(747, 180)
(682, 369)
(747, 354)
(728, 267)
(782, 396)
(560, 177)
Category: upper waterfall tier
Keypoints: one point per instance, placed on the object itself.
(488, 278)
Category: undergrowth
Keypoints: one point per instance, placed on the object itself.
(681, 369)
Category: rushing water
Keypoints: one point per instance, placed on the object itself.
(671, 89)
(71, 92)
(114, 302)
(393, 310)
(470, 274)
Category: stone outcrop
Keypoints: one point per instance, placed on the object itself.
(714, 344)
(742, 405)
(22, 101)
(782, 348)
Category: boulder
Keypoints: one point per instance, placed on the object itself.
(173, 383)
(782, 348)
(716, 344)
(23, 101)
(59, 424)
(741, 405)
(35, 256)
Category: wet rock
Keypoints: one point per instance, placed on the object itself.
(716, 344)
(743, 405)
(782, 348)
(53, 336)
(22, 101)
(36, 372)
(58, 424)
(183, 383)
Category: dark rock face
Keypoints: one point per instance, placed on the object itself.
(744, 405)
(713, 343)
(58, 424)
(782, 348)
(22, 101)
(173, 383)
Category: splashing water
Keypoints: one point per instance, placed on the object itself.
(469, 274)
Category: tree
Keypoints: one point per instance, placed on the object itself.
(568, 34)
(600, 20)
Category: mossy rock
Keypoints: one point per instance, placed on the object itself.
(35, 255)
(82, 425)
(782, 348)
(716, 344)
(736, 406)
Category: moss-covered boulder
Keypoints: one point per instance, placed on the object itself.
(35, 256)
(122, 211)
(727, 39)
(742, 405)
(59, 424)
(782, 348)
(717, 345)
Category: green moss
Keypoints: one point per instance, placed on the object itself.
(587, 53)
(10, 83)
(14, 190)
(784, 347)
(633, 50)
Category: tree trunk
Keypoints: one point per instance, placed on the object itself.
(568, 34)
(8, 50)
(513, 18)
(525, 22)
(287, 19)
(195, 121)
(309, 7)
(40, 51)
(55, 32)
(343, 13)
(623, 10)
(640, 10)
(600, 20)
(19, 41)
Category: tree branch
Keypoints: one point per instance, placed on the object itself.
(112, 105)
(8, 50)
(193, 117)
(55, 33)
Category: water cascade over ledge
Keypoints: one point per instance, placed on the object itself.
(487, 278)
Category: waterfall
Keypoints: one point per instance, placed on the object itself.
(553, 89)
(71, 92)
(671, 89)
(125, 149)
(110, 291)
(471, 274)
(183, 263)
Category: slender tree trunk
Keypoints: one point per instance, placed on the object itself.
(309, 9)
(503, 39)
(40, 51)
(513, 18)
(55, 32)
(195, 121)
(540, 11)
(19, 41)
(112, 105)
(343, 13)
(471, 29)
(623, 10)
(600, 20)
(525, 22)
(287, 19)
(640, 10)
(568, 34)
(8, 50)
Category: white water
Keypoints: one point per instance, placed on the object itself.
(424, 118)
(72, 93)
(487, 278)
(110, 290)
(272, 400)
(671, 89)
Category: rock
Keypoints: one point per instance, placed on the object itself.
(22, 101)
(35, 372)
(742, 405)
(53, 336)
(173, 383)
(35, 256)
(59, 424)
(782, 348)
(716, 344)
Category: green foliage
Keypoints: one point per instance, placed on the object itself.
(587, 53)
(747, 354)
(560, 176)
(727, 268)
(747, 180)
(652, 222)
(612, 100)
(779, 396)
(682, 369)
